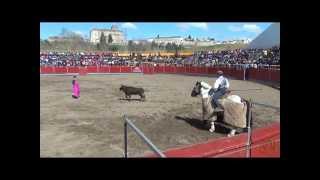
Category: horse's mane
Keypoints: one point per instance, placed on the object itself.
(205, 85)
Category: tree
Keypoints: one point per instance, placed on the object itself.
(110, 40)
(158, 36)
(189, 37)
(114, 48)
(153, 45)
(130, 45)
(168, 47)
(102, 45)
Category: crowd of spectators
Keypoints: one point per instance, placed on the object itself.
(246, 57)
(250, 57)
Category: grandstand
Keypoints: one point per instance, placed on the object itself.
(267, 39)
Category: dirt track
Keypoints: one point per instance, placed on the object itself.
(92, 126)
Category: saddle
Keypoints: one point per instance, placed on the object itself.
(227, 93)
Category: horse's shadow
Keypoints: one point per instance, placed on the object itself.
(132, 99)
(197, 123)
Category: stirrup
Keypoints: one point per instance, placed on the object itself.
(218, 109)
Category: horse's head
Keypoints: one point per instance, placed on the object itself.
(121, 88)
(196, 89)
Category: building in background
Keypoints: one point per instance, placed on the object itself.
(118, 36)
(63, 39)
(165, 40)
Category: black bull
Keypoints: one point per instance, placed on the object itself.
(133, 91)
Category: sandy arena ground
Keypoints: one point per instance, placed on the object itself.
(92, 126)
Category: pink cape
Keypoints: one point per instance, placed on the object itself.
(76, 89)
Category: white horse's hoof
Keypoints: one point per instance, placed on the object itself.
(232, 133)
(212, 128)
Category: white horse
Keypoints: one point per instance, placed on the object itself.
(201, 88)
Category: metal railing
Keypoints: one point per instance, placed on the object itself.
(249, 134)
(267, 105)
(127, 123)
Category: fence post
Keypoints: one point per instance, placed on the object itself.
(249, 130)
(125, 140)
(244, 73)
(270, 71)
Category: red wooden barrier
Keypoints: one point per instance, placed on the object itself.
(265, 143)
(252, 74)
(60, 70)
(180, 70)
(275, 75)
(114, 69)
(126, 69)
(212, 70)
(47, 70)
(264, 74)
(104, 69)
(73, 69)
(92, 69)
(83, 71)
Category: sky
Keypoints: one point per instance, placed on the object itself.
(137, 30)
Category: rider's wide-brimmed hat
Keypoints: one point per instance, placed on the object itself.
(219, 72)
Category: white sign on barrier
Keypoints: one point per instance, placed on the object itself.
(136, 69)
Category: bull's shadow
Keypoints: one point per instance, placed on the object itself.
(197, 123)
(132, 99)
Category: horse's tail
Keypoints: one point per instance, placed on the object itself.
(247, 103)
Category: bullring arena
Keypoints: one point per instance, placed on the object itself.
(92, 126)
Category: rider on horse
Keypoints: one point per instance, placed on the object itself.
(220, 88)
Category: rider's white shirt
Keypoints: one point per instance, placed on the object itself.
(223, 81)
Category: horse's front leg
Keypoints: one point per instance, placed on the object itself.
(212, 128)
(232, 133)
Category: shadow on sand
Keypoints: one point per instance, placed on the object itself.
(199, 124)
(125, 99)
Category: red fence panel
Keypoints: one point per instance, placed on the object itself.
(104, 69)
(252, 74)
(47, 70)
(193, 70)
(173, 69)
(73, 69)
(167, 69)
(212, 70)
(161, 69)
(180, 70)
(156, 69)
(60, 70)
(265, 143)
(275, 75)
(92, 69)
(126, 69)
(115, 69)
(202, 70)
(237, 73)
